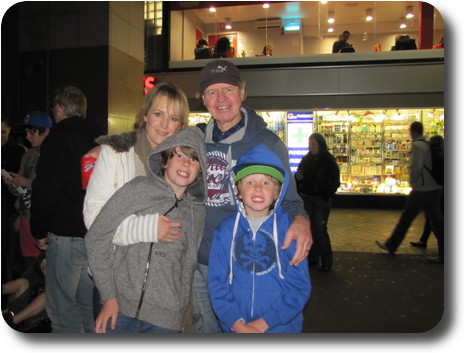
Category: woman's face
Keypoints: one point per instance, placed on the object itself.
(313, 146)
(162, 121)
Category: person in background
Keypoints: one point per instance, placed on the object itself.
(26, 300)
(222, 48)
(342, 42)
(12, 152)
(267, 51)
(318, 178)
(436, 143)
(37, 125)
(426, 195)
(137, 300)
(233, 129)
(202, 51)
(404, 42)
(252, 286)
(57, 222)
(440, 44)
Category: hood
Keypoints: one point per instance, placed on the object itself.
(193, 137)
(259, 155)
(120, 143)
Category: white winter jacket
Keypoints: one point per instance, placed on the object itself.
(115, 166)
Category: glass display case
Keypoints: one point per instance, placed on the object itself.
(373, 147)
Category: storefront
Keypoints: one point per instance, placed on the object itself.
(372, 147)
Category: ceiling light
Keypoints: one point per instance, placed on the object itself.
(403, 25)
(331, 18)
(228, 24)
(212, 9)
(409, 12)
(265, 5)
(330, 29)
(324, 2)
(369, 15)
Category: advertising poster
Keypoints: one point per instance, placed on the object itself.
(299, 128)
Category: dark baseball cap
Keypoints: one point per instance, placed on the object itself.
(38, 119)
(219, 71)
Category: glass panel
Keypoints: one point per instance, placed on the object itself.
(297, 28)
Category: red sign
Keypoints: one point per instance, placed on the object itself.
(148, 83)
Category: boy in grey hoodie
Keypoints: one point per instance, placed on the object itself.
(146, 286)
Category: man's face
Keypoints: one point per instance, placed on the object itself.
(5, 133)
(223, 102)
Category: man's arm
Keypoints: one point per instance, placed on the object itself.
(300, 229)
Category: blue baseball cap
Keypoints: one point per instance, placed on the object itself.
(38, 119)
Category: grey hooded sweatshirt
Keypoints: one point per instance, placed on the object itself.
(118, 271)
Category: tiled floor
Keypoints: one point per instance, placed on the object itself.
(357, 229)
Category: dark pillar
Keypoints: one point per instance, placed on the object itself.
(425, 25)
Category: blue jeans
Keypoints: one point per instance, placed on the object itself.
(204, 319)
(68, 285)
(126, 324)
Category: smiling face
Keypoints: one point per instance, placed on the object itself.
(258, 192)
(181, 170)
(223, 102)
(161, 121)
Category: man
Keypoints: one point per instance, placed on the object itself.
(425, 195)
(342, 42)
(56, 213)
(233, 130)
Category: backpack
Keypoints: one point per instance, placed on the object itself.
(438, 163)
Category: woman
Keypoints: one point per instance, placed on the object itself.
(318, 178)
(163, 112)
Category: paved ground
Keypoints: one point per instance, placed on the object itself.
(357, 229)
(368, 290)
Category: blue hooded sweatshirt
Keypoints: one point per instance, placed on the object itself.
(249, 276)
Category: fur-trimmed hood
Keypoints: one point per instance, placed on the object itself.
(121, 142)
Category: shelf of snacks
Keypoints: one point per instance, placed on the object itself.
(366, 134)
(397, 150)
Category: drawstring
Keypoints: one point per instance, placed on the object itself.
(276, 242)
(147, 266)
(231, 272)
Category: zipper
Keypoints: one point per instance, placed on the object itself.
(147, 266)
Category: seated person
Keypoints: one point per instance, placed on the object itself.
(404, 42)
(267, 51)
(25, 305)
(202, 51)
(342, 45)
(222, 48)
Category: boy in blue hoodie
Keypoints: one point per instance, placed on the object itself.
(252, 287)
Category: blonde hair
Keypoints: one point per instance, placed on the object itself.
(72, 100)
(174, 95)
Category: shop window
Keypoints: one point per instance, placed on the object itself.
(297, 28)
